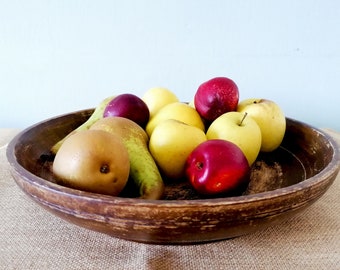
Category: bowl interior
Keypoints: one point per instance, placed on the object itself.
(305, 151)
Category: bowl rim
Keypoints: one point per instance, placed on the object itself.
(332, 168)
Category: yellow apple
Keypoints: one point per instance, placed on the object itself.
(239, 129)
(157, 97)
(179, 111)
(270, 118)
(170, 144)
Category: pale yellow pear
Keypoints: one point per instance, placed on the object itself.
(170, 145)
(179, 111)
(157, 97)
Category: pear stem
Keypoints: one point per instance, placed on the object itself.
(244, 117)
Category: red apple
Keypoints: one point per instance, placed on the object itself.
(216, 167)
(215, 97)
(129, 106)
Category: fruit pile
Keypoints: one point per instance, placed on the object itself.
(143, 143)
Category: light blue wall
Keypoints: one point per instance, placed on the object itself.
(62, 56)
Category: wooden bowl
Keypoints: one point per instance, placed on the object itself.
(283, 183)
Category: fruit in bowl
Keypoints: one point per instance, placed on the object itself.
(143, 169)
(179, 111)
(93, 160)
(170, 144)
(158, 97)
(240, 129)
(218, 167)
(269, 117)
(215, 97)
(129, 106)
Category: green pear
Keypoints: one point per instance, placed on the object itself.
(95, 116)
(143, 169)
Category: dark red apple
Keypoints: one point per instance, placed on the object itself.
(215, 97)
(129, 106)
(216, 167)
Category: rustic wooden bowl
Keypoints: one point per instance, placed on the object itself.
(283, 183)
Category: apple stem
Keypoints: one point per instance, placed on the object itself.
(199, 165)
(244, 116)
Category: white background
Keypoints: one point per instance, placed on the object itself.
(62, 56)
